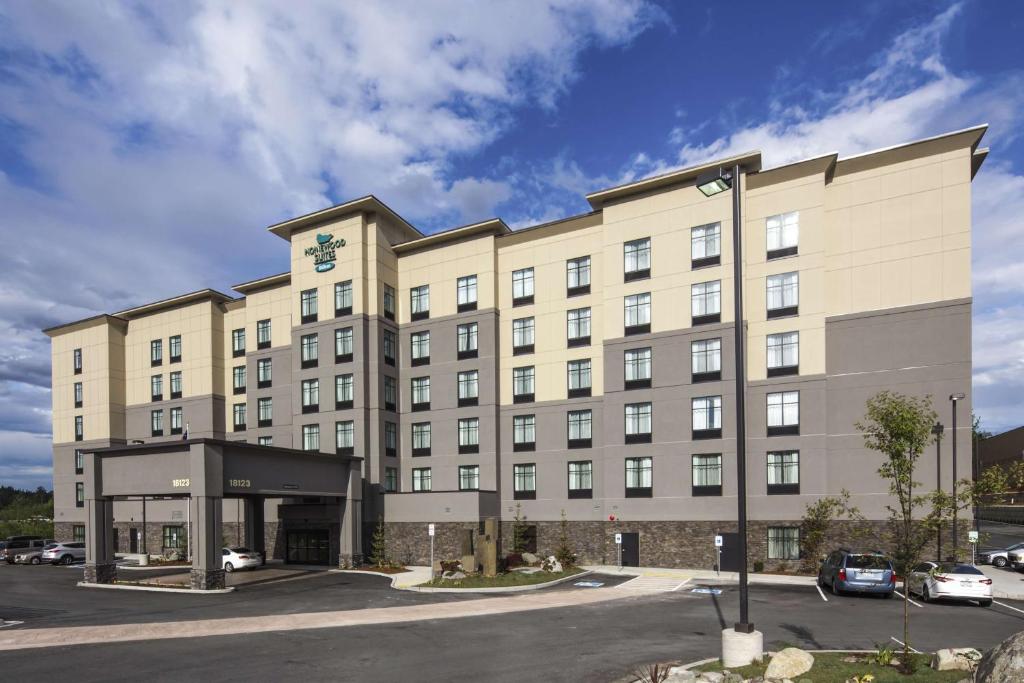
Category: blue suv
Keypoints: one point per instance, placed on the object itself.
(845, 571)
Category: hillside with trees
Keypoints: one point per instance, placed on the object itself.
(26, 512)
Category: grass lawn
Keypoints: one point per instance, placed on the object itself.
(829, 667)
(502, 580)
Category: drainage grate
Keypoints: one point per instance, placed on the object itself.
(8, 613)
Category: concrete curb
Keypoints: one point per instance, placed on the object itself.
(499, 589)
(150, 567)
(769, 653)
(393, 577)
(155, 589)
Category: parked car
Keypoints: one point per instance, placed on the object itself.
(934, 580)
(64, 553)
(19, 544)
(1015, 559)
(999, 557)
(33, 556)
(239, 558)
(858, 572)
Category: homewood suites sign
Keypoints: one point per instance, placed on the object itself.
(323, 252)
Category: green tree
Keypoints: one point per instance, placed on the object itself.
(817, 521)
(379, 548)
(518, 530)
(565, 553)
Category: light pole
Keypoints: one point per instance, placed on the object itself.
(711, 183)
(956, 546)
(937, 430)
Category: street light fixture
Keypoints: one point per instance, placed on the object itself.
(956, 546)
(937, 430)
(713, 182)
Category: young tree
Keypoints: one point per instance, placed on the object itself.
(518, 530)
(565, 553)
(817, 521)
(379, 549)
(900, 427)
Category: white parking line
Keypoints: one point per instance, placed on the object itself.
(1003, 604)
(681, 585)
(901, 644)
(911, 601)
(821, 592)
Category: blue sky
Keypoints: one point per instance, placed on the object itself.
(144, 147)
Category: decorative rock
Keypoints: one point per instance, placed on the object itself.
(956, 659)
(711, 677)
(530, 558)
(453, 576)
(551, 564)
(731, 677)
(680, 675)
(1003, 663)
(789, 663)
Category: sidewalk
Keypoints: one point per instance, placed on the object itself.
(702, 575)
(1006, 583)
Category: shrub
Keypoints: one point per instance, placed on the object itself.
(513, 560)
(758, 566)
(451, 566)
(565, 553)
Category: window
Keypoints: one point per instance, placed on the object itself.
(524, 482)
(524, 437)
(522, 336)
(579, 378)
(77, 361)
(421, 438)
(238, 342)
(78, 533)
(783, 295)
(638, 313)
(469, 435)
(638, 423)
(522, 287)
(783, 234)
(156, 422)
(238, 379)
(310, 395)
(310, 437)
(706, 360)
(390, 341)
(176, 384)
(264, 441)
(389, 302)
(79, 429)
(239, 415)
(707, 475)
(264, 373)
(175, 344)
(467, 341)
(265, 412)
(577, 272)
(420, 342)
(419, 298)
(783, 543)
(421, 393)
(345, 437)
(706, 417)
(523, 384)
(579, 326)
(581, 479)
(344, 391)
(176, 421)
(637, 368)
(579, 429)
(706, 302)
(156, 387)
(421, 479)
(263, 334)
(79, 461)
(783, 472)
(469, 477)
(390, 394)
(310, 344)
(174, 537)
(390, 439)
(637, 259)
(783, 413)
(343, 345)
(469, 388)
(466, 293)
(79, 494)
(343, 298)
(638, 477)
(156, 352)
(308, 298)
(706, 245)
(390, 479)
(783, 354)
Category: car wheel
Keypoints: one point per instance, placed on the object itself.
(67, 560)
(925, 596)
(999, 562)
(835, 588)
(35, 560)
(887, 596)
(228, 567)
(985, 603)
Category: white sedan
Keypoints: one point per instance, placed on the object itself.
(932, 580)
(239, 558)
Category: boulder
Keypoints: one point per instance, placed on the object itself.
(1004, 663)
(789, 663)
(530, 558)
(956, 659)
(551, 564)
(711, 677)
(453, 576)
(731, 677)
(680, 675)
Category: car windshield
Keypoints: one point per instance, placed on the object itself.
(867, 562)
(49, 545)
(948, 568)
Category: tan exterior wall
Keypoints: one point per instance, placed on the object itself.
(102, 379)
(347, 266)
(441, 267)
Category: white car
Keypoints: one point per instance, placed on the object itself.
(932, 581)
(239, 558)
(63, 553)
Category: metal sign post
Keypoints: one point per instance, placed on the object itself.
(718, 553)
(618, 549)
(972, 537)
(430, 531)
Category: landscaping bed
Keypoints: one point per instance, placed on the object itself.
(839, 667)
(380, 570)
(504, 580)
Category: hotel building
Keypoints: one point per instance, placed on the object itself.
(582, 367)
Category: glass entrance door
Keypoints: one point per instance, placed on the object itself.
(308, 547)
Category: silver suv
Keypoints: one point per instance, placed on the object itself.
(64, 553)
(15, 545)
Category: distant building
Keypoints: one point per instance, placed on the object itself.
(1001, 449)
